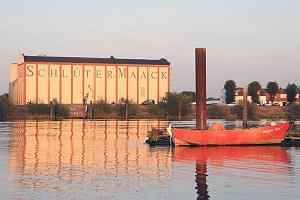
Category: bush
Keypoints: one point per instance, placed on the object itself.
(173, 103)
(293, 111)
(253, 112)
(38, 109)
(60, 110)
(219, 112)
(237, 110)
(5, 107)
(156, 111)
(102, 109)
(121, 108)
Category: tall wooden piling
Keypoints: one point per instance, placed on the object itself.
(245, 106)
(200, 64)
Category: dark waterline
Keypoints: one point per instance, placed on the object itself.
(77, 159)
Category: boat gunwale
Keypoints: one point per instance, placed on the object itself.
(234, 130)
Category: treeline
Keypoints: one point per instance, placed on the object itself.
(172, 106)
(6, 107)
(254, 87)
(31, 110)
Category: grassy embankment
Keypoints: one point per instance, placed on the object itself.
(108, 111)
(169, 110)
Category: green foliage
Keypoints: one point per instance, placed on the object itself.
(60, 110)
(253, 112)
(229, 87)
(294, 111)
(131, 108)
(38, 109)
(156, 111)
(102, 107)
(237, 110)
(175, 103)
(291, 91)
(219, 112)
(5, 107)
(272, 89)
(190, 94)
(153, 135)
(253, 89)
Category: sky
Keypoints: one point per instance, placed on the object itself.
(245, 40)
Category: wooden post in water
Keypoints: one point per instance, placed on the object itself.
(91, 110)
(200, 64)
(245, 106)
(179, 106)
(83, 108)
(126, 110)
(51, 110)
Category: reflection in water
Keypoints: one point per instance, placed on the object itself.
(202, 187)
(67, 150)
(257, 159)
(77, 159)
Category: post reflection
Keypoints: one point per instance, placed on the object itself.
(69, 150)
(266, 160)
(202, 187)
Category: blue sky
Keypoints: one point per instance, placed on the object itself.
(245, 40)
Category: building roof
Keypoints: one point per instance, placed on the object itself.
(110, 60)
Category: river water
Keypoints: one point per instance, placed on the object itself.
(75, 159)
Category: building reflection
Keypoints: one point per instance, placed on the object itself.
(65, 149)
(84, 151)
(267, 160)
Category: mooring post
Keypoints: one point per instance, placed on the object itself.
(126, 110)
(83, 108)
(179, 106)
(51, 110)
(200, 64)
(245, 106)
(91, 110)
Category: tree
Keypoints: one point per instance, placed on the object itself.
(176, 104)
(131, 108)
(229, 87)
(291, 91)
(5, 107)
(272, 89)
(253, 89)
(190, 94)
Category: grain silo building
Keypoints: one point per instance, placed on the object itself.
(40, 79)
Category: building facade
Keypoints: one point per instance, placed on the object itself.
(280, 98)
(40, 79)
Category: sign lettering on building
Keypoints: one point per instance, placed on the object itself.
(97, 73)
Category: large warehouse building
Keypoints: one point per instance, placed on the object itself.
(40, 79)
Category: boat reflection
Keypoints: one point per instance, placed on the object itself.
(109, 157)
(263, 159)
(68, 149)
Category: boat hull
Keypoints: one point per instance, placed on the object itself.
(253, 136)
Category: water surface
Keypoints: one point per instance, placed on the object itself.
(77, 159)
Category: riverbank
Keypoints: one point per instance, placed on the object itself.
(118, 111)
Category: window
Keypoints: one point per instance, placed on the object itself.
(143, 91)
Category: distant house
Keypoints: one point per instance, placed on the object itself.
(264, 97)
(239, 96)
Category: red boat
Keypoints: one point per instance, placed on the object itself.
(253, 136)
